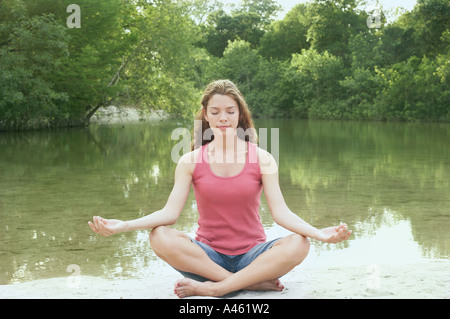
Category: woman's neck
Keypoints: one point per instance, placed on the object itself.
(229, 148)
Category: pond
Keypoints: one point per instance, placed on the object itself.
(388, 181)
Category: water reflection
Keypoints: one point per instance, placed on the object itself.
(353, 171)
(387, 241)
(388, 182)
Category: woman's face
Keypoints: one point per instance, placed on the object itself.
(222, 114)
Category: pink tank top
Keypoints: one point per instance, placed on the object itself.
(228, 207)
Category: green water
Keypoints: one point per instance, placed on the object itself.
(388, 181)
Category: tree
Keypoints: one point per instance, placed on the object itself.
(361, 89)
(427, 22)
(97, 51)
(223, 27)
(159, 71)
(125, 52)
(332, 23)
(30, 52)
(316, 76)
(247, 22)
(287, 36)
(240, 64)
(265, 9)
(416, 89)
(71, 69)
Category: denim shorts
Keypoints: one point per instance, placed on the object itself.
(232, 263)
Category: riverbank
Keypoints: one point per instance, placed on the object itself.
(126, 115)
(429, 279)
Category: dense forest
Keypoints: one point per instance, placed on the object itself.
(324, 59)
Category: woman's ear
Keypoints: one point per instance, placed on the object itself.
(204, 114)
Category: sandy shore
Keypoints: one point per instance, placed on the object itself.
(427, 279)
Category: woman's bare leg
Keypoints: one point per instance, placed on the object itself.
(272, 264)
(180, 252)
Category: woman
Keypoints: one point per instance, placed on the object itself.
(228, 173)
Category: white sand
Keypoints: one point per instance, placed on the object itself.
(427, 279)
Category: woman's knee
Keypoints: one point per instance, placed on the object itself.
(159, 237)
(165, 240)
(298, 248)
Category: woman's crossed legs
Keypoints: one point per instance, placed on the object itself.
(262, 273)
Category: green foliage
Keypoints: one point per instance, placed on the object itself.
(332, 23)
(161, 69)
(414, 90)
(238, 26)
(287, 36)
(320, 61)
(247, 23)
(317, 77)
(127, 52)
(95, 55)
(30, 51)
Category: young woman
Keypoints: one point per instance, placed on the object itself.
(228, 173)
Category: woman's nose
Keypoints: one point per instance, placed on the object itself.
(223, 116)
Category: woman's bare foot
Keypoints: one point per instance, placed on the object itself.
(274, 285)
(188, 287)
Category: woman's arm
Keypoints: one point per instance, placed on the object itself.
(166, 216)
(283, 216)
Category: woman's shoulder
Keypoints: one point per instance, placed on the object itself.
(187, 161)
(266, 161)
(263, 155)
(190, 157)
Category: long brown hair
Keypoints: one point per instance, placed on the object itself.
(246, 128)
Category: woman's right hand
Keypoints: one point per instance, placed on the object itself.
(107, 227)
(334, 234)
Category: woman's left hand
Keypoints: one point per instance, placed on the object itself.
(107, 227)
(334, 234)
